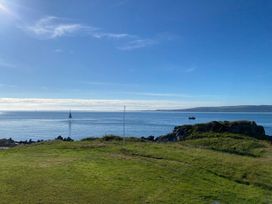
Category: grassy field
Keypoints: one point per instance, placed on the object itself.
(218, 169)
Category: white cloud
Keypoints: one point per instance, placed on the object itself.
(94, 104)
(175, 95)
(109, 84)
(137, 43)
(52, 27)
(62, 30)
(111, 35)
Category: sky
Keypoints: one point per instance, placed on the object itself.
(146, 54)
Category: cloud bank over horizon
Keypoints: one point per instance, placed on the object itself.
(36, 104)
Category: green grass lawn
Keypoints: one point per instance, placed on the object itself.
(205, 170)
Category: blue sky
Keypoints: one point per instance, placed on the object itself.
(143, 53)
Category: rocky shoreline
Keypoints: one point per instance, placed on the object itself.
(180, 133)
(8, 143)
(247, 128)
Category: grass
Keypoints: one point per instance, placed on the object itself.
(228, 142)
(210, 169)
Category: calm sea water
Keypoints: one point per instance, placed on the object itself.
(48, 125)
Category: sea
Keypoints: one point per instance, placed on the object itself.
(37, 125)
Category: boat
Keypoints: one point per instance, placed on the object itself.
(192, 118)
(70, 115)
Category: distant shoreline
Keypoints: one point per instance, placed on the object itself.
(226, 109)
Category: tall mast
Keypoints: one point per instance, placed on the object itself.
(70, 123)
(124, 122)
(70, 115)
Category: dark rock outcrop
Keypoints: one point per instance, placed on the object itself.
(247, 128)
(111, 138)
(149, 138)
(7, 143)
(68, 139)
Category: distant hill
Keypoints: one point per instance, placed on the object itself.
(242, 108)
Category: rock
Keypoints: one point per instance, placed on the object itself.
(248, 128)
(167, 138)
(68, 139)
(149, 138)
(7, 143)
(111, 138)
(59, 138)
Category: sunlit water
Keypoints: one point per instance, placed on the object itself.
(48, 125)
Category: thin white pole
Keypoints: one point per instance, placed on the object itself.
(70, 123)
(124, 122)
